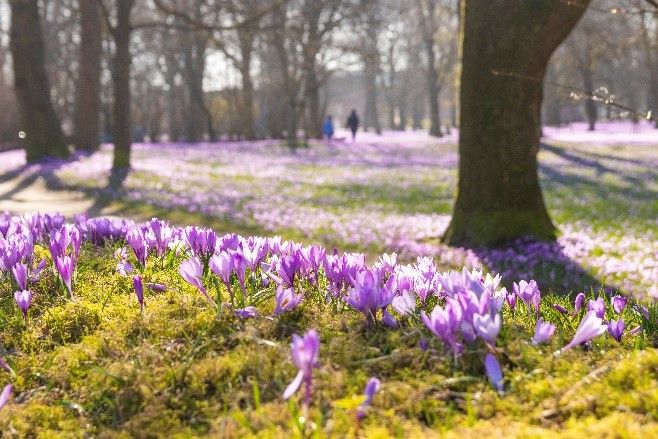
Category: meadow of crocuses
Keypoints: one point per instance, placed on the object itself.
(111, 327)
(394, 194)
(313, 297)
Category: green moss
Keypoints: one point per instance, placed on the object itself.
(95, 366)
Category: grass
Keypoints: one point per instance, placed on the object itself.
(95, 366)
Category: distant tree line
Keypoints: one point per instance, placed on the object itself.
(120, 70)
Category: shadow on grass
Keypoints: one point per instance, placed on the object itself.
(593, 161)
(546, 262)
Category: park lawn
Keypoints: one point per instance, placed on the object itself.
(394, 196)
(96, 366)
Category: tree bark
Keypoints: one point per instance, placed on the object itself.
(89, 81)
(650, 59)
(198, 119)
(590, 105)
(402, 111)
(311, 83)
(246, 39)
(121, 82)
(506, 47)
(370, 113)
(42, 127)
(432, 73)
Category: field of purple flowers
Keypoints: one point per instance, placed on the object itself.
(394, 194)
(123, 328)
(347, 317)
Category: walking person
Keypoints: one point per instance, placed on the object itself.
(353, 123)
(328, 128)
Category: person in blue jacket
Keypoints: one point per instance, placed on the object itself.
(328, 128)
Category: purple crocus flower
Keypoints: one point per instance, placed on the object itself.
(543, 332)
(288, 268)
(192, 271)
(598, 306)
(75, 237)
(5, 366)
(138, 244)
(579, 301)
(443, 322)
(590, 326)
(20, 274)
(404, 304)
(559, 308)
(139, 290)
(37, 271)
(616, 328)
(286, 300)
(494, 373)
(121, 253)
(305, 355)
(388, 319)
(240, 265)
(202, 242)
(158, 288)
(249, 312)
(487, 326)
(5, 395)
(619, 303)
(529, 293)
(23, 300)
(510, 298)
(372, 387)
(222, 266)
(64, 265)
(368, 295)
(388, 262)
(124, 268)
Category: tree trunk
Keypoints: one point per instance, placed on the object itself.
(292, 123)
(402, 111)
(432, 73)
(89, 82)
(121, 82)
(506, 47)
(246, 51)
(590, 105)
(42, 127)
(194, 81)
(417, 115)
(171, 63)
(314, 122)
(312, 86)
(370, 114)
(650, 60)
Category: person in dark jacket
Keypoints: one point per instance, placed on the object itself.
(353, 123)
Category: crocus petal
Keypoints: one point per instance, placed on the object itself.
(249, 312)
(139, 289)
(543, 332)
(590, 326)
(371, 388)
(292, 387)
(5, 395)
(5, 366)
(494, 373)
(619, 303)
